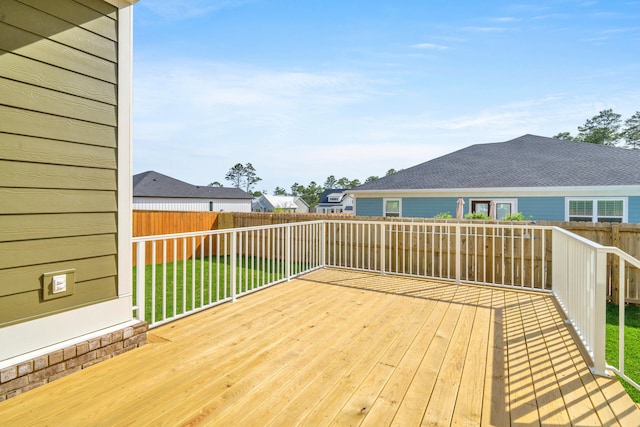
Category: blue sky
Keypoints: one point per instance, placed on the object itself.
(307, 89)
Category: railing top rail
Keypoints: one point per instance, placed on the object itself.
(445, 223)
(223, 231)
(622, 254)
(580, 239)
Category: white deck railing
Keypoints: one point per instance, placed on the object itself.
(186, 273)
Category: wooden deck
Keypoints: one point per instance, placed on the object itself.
(345, 348)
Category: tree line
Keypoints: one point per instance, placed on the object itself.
(607, 128)
(245, 177)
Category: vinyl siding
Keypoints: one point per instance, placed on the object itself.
(58, 153)
(634, 210)
(368, 206)
(191, 205)
(542, 208)
(428, 207)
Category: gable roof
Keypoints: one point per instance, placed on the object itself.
(527, 161)
(324, 197)
(154, 184)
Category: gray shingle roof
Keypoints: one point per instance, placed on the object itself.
(154, 184)
(527, 161)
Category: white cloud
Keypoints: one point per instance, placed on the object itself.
(430, 46)
(184, 9)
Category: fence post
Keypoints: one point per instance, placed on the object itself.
(287, 254)
(140, 279)
(458, 253)
(600, 314)
(234, 264)
(382, 248)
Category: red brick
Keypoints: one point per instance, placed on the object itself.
(8, 374)
(105, 340)
(69, 352)
(31, 386)
(81, 360)
(64, 373)
(25, 368)
(82, 348)
(13, 385)
(56, 357)
(116, 336)
(46, 372)
(40, 363)
(136, 339)
(127, 333)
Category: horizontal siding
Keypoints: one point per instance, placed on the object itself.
(32, 252)
(24, 43)
(428, 207)
(29, 306)
(25, 279)
(48, 226)
(58, 30)
(542, 208)
(191, 205)
(47, 76)
(38, 150)
(36, 175)
(37, 201)
(368, 206)
(58, 153)
(22, 122)
(29, 97)
(634, 210)
(79, 15)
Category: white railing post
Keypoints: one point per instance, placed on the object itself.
(600, 313)
(622, 279)
(458, 254)
(140, 279)
(382, 247)
(234, 264)
(287, 253)
(323, 243)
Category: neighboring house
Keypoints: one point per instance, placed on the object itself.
(335, 200)
(65, 183)
(154, 191)
(544, 178)
(267, 203)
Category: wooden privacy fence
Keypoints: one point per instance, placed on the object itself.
(517, 257)
(156, 223)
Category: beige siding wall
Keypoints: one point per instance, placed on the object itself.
(58, 159)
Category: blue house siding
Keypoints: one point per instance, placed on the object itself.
(542, 208)
(369, 206)
(428, 207)
(634, 209)
(536, 208)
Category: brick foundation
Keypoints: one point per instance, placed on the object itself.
(33, 373)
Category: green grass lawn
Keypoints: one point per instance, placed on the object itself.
(251, 273)
(631, 343)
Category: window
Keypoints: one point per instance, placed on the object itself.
(210, 206)
(392, 208)
(597, 210)
(496, 209)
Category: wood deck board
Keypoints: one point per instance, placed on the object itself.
(345, 348)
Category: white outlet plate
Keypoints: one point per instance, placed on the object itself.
(59, 283)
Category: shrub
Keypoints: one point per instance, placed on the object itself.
(444, 215)
(477, 215)
(516, 216)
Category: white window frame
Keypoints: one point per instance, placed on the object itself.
(392, 199)
(594, 200)
(494, 203)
